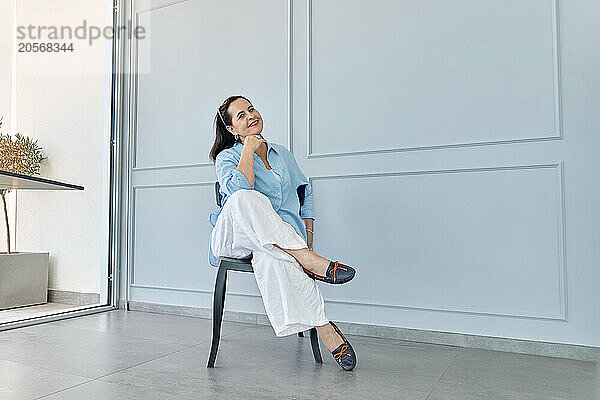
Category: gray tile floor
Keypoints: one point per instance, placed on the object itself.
(137, 355)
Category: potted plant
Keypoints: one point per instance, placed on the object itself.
(23, 275)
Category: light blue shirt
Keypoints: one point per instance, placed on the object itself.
(282, 194)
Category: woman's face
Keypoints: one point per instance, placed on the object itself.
(245, 119)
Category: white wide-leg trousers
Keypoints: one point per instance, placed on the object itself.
(248, 224)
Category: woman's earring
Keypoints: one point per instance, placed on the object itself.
(237, 137)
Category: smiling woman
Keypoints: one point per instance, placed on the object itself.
(244, 121)
(261, 214)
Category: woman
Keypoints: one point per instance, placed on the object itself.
(262, 215)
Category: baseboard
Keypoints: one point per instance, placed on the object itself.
(547, 349)
(74, 298)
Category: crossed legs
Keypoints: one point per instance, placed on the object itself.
(317, 264)
(249, 224)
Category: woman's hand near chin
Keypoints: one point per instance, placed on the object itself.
(252, 142)
(246, 164)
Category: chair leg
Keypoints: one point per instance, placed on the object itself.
(218, 306)
(314, 342)
(300, 334)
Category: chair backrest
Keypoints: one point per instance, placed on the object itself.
(219, 198)
(218, 193)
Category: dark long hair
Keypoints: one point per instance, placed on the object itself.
(223, 138)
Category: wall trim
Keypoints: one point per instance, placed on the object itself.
(134, 193)
(74, 298)
(557, 88)
(520, 346)
(159, 6)
(160, 167)
(290, 76)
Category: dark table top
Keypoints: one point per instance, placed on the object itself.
(10, 180)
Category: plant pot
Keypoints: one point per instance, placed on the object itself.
(23, 279)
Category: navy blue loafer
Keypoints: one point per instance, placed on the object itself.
(344, 354)
(336, 273)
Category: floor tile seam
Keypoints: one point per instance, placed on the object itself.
(168, 354)
(67, 388)
(520, 360)
(147, 338)
(492, 384)
(415, 345)
(119, 370)
(493, 366)
(444, 373)
(105, 334)
(165, 355)
(45, 368)
(188, 346)
(147, 361)
(238, 330)
(80, 328)
(493, 387)
(440, 346)
(162, 356)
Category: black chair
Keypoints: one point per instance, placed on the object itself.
(242, 265)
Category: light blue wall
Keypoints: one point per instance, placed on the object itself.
(451, 147)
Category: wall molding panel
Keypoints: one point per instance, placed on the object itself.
(557, 87)
(135, 83)
(561, 262)
(135, 196)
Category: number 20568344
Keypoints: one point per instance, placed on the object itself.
(45, 47)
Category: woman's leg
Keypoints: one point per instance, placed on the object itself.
(249, 221)
(256, 218)
(309, 260)
(248, 224)
(329, 336)
(292, 299)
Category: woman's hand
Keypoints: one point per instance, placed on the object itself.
(246, 164)
(253, 142)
